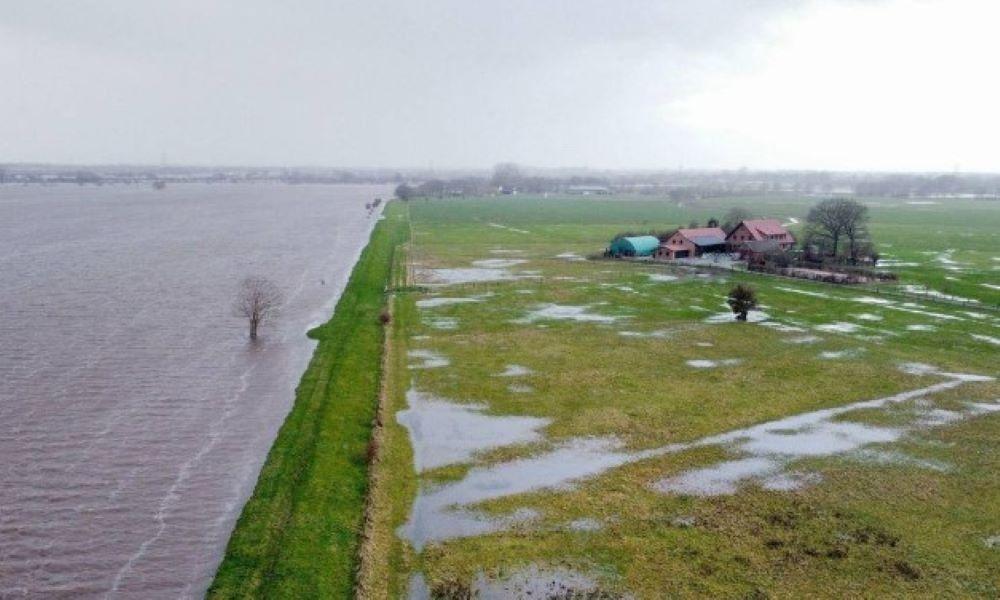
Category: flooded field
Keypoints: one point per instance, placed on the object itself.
(608, 429)
(134, 414)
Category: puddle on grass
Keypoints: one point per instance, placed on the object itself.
(925, 291)
(916, 309)
(453, 276)
(892, 457)
(868, 317)
(662, 277)
(586, 524)
(838, 354)
(872, 300)
(754, 316)
(428, 359)
(658, 333)
(921, 327)
(986, 338)
(783, 327)
(515, 371)
(766, 450)
(523, 584)
(519, 388)
(442, 301)
(445, 433)
(566, 312)
(508, 228)
(802, 292)
(443, 323)
(571, 256)
(804, 339)
(438, 512)
(536, 582)
(711, 364)
(498, 263)
(839, 327)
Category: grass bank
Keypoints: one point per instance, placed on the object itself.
(299, 533)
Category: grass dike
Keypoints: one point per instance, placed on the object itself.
(299, 534)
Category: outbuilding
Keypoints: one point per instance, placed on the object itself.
(643, 245)
(692, 243)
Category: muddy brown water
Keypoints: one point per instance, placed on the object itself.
(134, 414)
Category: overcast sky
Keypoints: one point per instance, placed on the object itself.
(830, 84)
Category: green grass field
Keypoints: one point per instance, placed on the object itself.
(910, 516)
(298, 535)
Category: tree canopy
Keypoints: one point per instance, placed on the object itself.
(836, 219)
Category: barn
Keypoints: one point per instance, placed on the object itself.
(643, 245)
(692, 243)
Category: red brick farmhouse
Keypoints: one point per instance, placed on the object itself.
(756, 230)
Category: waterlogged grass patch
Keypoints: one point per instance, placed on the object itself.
(445, 433)
(701, 363)
(558, 312)
(427, 359)
(994, 341)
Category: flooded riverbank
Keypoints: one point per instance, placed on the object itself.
(134, 414)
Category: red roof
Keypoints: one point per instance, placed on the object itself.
(762, 228)
(702, 232)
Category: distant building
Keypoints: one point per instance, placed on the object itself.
(692, 243)
(588, 190)
(756, 230)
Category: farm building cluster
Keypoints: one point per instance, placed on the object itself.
(749, 237)
(765, 245)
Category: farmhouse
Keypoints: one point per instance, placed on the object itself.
(691, 243)
(756, 230)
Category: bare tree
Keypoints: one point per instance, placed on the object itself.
(837, 218)
(258, 301)
(507, 176)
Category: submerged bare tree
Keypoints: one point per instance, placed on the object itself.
(258, 301)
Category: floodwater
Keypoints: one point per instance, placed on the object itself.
(134, 413)
(564, 312)
(762, 455)
(446, 433)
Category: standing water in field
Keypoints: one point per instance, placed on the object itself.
(134, 413)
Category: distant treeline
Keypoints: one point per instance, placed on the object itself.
(681, 185)
(690, 186)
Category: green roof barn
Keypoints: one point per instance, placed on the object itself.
(643, 245)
